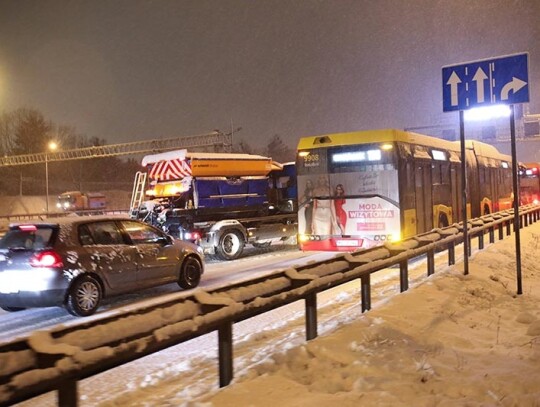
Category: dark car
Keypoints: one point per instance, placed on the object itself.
(76, 261)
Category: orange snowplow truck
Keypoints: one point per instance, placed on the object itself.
(78, 201)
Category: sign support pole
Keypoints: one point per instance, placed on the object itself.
(464, 195)
(515, 187)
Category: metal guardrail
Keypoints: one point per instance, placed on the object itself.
(56, 360)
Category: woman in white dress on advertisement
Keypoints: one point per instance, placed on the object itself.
(324, 215)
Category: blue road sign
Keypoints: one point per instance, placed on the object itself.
(486, 82)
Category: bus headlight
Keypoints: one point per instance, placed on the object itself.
(308, 238)
(303, 238)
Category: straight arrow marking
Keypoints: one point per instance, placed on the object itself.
(453, 81)
(479, 77)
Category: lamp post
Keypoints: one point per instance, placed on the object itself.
(51, 147)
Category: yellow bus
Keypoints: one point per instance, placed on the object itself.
(360, 189)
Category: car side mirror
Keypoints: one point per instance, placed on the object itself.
(166, 240)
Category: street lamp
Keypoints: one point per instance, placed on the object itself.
(52, 146)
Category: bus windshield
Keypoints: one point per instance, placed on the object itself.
(348, 197)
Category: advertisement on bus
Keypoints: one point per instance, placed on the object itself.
(346, 211)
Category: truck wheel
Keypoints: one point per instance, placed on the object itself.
(190, 273)
(231, 245)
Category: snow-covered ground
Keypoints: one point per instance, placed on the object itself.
(451, 340)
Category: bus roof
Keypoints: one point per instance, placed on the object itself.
(372, 136)
(484, 150)
(395, 135)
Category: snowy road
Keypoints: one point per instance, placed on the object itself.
(218, 274)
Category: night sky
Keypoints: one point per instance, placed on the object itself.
(134, 70)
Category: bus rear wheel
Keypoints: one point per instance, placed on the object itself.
(443, 221)
(231, 245)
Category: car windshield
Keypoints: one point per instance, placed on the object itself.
(27, 237)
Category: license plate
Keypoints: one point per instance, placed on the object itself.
(347, 243)
(8, 287)
(8, 290)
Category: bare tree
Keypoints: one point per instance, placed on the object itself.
(7, 133)
(278, 150)
(243, 147)
(32, 131)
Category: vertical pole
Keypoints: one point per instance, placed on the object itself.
(67, 394)
(404, 275)
(464, 195)
(430, 262)
(232, 136)
(481, 240)
(365, 281)
(311, 316)
(451, 253)
(46, 183)
(225, 354)
(516, 198)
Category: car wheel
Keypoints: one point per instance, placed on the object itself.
(12, 309)
(84, 296)
(231, 245)
(190, 273)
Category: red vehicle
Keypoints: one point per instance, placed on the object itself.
(529, 183)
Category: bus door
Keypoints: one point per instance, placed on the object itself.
(423, 187)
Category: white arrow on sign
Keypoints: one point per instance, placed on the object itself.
(453, 82)
(479, 77)
(514, 85)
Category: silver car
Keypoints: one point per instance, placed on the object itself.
(76, 261)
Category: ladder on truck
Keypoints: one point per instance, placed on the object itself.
(137, 195)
